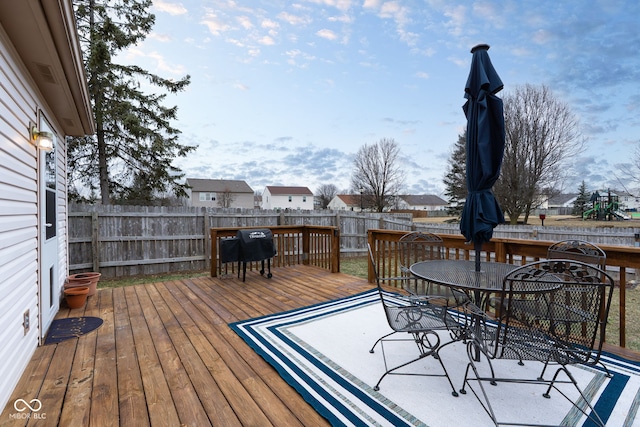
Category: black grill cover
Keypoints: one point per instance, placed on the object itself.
(256, 244)
(230, 250)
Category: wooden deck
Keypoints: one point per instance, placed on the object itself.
(166, 357)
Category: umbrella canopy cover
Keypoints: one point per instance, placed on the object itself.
(485, 148)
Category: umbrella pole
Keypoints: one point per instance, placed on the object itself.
(477, 246)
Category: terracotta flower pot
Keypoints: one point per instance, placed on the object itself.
(92, 277)
(76, 297)
(77, 283)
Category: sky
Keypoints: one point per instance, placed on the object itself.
(287, 92)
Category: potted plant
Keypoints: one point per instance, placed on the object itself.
(76, 297)
(81, 279)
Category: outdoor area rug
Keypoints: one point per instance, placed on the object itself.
(71, 327)
(323, 352)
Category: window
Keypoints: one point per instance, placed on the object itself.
(205, 197)
(290, 198)
(304, 199)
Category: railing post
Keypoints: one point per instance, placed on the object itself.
(372, 244)
(305, 245)
(206, 227)
(214, 252)
(623, 309)
(501, 252)
(335, 251)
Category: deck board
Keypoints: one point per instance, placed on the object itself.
(165, 355)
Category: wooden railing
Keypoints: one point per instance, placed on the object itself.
(295, 244)
(620, 259)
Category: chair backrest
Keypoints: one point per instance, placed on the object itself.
(419, 246)
(578, 250)
(415, 247)
(554, 310)
(390, 310)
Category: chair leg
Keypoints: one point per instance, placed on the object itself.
(472, 374)
(380, 339)
(483, 398)
(593, 415)
(426, 348)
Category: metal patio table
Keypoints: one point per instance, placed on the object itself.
(478, 285)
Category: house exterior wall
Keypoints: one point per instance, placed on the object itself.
(19, 216)
(240, 200)
(337, 204)
(292, 201)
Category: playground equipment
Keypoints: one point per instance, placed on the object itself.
(605, 208)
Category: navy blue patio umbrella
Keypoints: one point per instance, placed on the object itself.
(485, 149)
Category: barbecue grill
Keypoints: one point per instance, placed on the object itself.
(248, 246)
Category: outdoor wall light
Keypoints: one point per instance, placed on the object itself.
(42, 140)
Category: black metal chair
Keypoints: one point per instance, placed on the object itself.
(421, 319)
(552, 311)
(583, 251)
(578, 250)
(421, 246)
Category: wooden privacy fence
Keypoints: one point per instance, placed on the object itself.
(621, 260)
(295, 244)
(131, 240)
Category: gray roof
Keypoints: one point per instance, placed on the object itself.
(219, 185)
(424, 200)
(561, 199)
(281, 190)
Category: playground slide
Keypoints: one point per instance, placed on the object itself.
(621, 215)
(586, 214)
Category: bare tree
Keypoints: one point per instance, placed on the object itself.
(325, 193)
(541, 137)
(628, 174)
(226, 198)
(377, 174)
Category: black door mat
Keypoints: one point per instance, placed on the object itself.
(71, 327)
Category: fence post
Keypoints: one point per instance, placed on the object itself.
(95, 242)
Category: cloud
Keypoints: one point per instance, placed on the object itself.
(422, 75)
(170, 8)
(342, 5)
(245, 22)
(164, 38)
(326, 34)
(266, 40)
(214, 24)
(294, 19)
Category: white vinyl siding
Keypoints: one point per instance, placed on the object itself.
(19, 105)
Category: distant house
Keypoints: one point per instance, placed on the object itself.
(629, 201)
(423, 202)
(561, 201)
(45, 97)
(346, 202)
(274, 197)
(220, 193)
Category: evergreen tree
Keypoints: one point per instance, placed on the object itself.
(130, 156)
(581, 203)
(455, 180)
